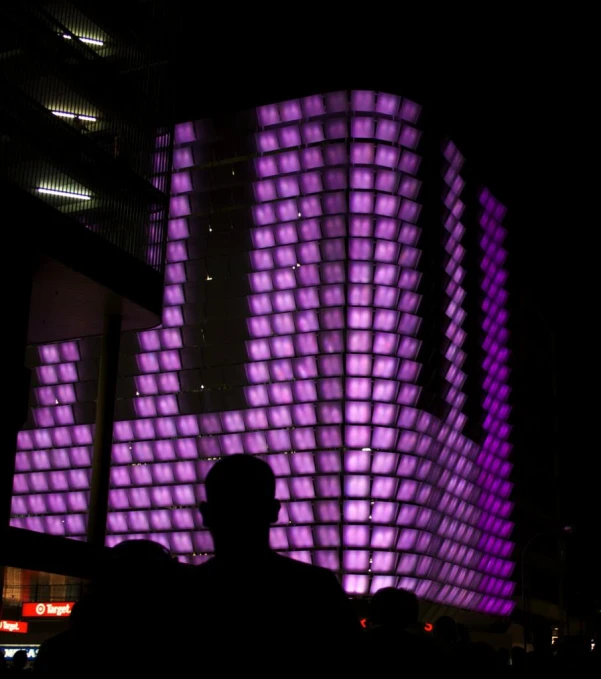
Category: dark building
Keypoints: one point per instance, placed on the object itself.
(84, 179)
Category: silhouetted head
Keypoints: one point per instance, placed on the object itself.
(19, 660)
(241, 503)
(83, 612)
(446, 629)
(131, 555)
(140, 550)
(133, 571)
(481, 656)
(131, 565)
(394, 608)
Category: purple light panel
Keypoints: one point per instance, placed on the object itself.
(496, 447)
(52, 478)
(454, 292)
(371, 486)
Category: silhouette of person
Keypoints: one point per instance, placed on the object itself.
(395, 637)
(479, 659)
(574, 657)
(2, 662)
(541, 659)
(455, 639)
(259, 609)
(137, 608)
(19, 663)
(445, 630)
(69, 651)
(504, 662)
(518, 661)
(446, 638)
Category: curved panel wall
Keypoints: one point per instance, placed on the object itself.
(291, 330)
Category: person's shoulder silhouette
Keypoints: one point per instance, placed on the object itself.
(395, 636)
(266, 604)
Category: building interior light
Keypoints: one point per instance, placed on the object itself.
(89, 41)
(366, 450)
(66, 114)
(93, 41)
(65, 194)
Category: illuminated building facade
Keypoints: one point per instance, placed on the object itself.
(293, 329)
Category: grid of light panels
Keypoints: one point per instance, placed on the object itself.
(455, 292)
(52, 479)
(372, 487)
(496, 447)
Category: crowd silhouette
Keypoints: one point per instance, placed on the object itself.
(250, 610)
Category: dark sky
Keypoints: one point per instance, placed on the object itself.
(520, 104)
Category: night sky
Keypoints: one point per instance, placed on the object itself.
(519, 105)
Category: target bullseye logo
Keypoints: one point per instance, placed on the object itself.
(47, 609)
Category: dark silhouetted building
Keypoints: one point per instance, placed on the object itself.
(84, 173)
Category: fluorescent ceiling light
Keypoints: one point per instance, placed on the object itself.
(66, 194)
(89, 41)
(92, 41)
(66, 114)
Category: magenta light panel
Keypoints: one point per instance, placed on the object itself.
(495, 449)
(53, 463)
(372, 486)
(453, 288)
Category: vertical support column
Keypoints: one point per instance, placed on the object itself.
(103, 435)
(564, 624)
